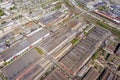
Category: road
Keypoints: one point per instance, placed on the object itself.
(34, 40)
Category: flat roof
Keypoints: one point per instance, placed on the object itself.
(78, 56)
(46, 20)
(92, 74)
(23, 65)
(30, 24)
(56, 75)
(115, 19)
(12, 51)
(57, 38)
(108, 75)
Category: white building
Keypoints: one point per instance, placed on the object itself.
(6, 5)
